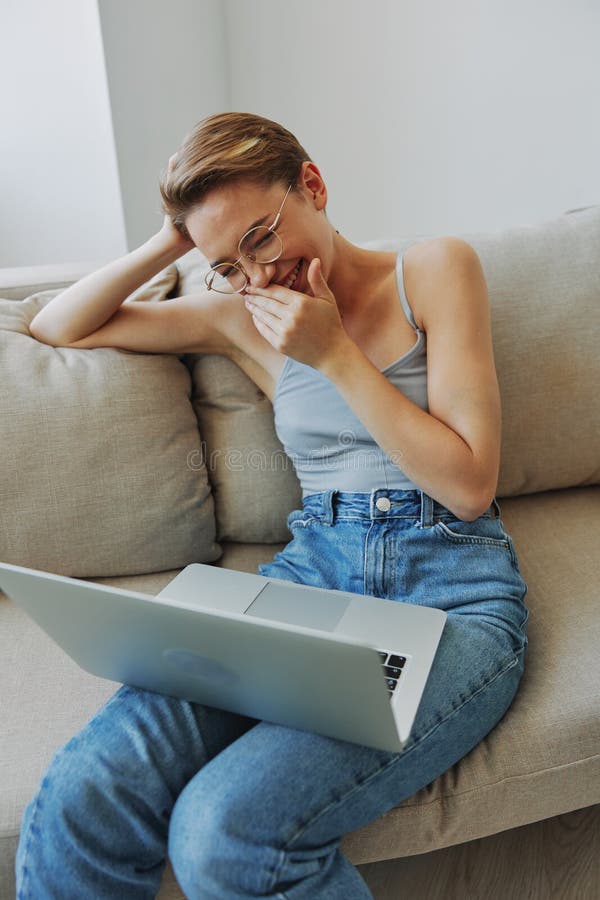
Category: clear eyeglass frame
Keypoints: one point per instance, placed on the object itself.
(252, 238)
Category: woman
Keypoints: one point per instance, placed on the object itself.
(395, 351)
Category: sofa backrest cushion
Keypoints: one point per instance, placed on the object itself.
(100, 451)
(544, 285)
(253, 480)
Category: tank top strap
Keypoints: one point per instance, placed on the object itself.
(402, 291)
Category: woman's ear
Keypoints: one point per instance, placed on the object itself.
(313, 185)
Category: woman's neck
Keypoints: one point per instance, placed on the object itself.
(357, 276)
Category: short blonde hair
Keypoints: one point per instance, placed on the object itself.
(226, 148)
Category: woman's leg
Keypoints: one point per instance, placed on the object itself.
(98, 825)
(267, 816)
(265, 806)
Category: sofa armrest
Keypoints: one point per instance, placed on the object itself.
(21, 282)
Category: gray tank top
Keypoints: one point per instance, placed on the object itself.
(328, 445)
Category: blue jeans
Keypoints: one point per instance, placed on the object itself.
(247, 808)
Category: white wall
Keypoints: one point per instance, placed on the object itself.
(59, 190)
(428, 116)
(425, 116)
(167, 69)
(79, 167)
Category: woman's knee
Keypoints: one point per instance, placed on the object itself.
(213, 847)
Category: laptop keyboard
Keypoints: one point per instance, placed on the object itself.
(392, 668)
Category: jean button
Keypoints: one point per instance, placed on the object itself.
(383, 504)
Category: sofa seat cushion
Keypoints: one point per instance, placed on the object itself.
(541, 760)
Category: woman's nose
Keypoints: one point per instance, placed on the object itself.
(259, 274)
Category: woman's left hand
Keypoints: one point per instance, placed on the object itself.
(307, 328)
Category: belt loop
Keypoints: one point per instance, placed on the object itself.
(496, 506)
(328, 507)
(426, 510)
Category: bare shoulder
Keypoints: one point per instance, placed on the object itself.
(440, 267)
(440, 252)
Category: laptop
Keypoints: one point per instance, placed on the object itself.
(345, 665)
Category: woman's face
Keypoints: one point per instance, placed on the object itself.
(228, 212)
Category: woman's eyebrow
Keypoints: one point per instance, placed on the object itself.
(254, 224)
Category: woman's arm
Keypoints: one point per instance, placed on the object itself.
(86, 305)
(83, 308)
(453, 451)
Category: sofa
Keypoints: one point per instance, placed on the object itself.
(122, 468)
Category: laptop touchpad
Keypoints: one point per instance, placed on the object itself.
(299, 606)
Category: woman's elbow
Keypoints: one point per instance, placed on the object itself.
(39, 333)
(478, 506)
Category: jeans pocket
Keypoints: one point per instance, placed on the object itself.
(483, 532)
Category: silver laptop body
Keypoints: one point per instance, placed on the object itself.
(349, 666)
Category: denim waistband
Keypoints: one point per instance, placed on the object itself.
(382, 503)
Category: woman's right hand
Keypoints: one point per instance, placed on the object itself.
(174, 238)
(171, 235)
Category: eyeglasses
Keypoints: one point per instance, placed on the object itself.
(261, 245)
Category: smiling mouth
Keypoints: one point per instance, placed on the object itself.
(293, 276)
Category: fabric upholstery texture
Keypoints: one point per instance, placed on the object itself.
(545, 289)
(248, 469)
(96, 478)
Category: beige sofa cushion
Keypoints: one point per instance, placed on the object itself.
(253, 481)
(96, 477)
(544, 283)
